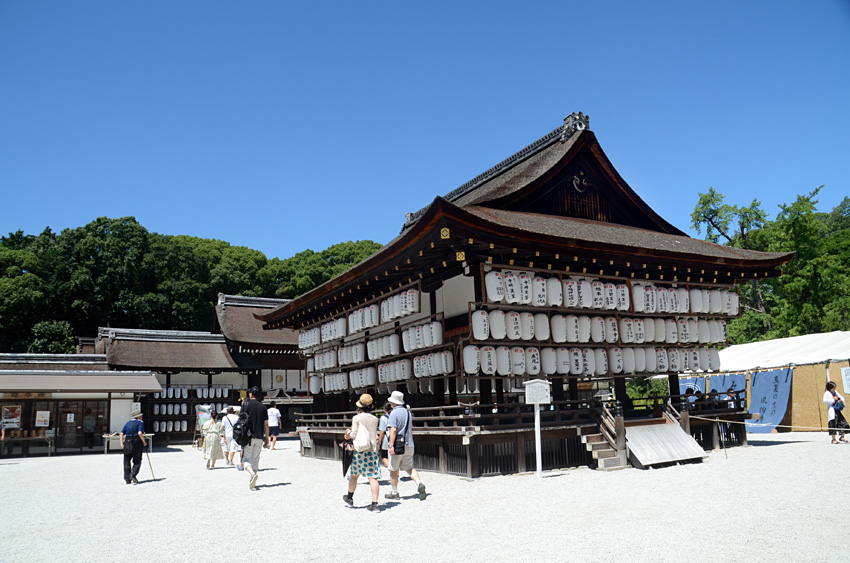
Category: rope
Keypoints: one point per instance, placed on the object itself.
(813, 428)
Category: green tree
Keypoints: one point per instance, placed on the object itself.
(307, 270)
(52, 337)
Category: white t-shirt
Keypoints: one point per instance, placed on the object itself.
(274, 417)
(829, 400)
(228, 423)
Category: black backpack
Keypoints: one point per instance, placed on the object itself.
(242, 429)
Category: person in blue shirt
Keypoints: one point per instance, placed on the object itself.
(133, 433)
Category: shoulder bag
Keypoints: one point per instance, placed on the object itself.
(400, 442)
(362, 443)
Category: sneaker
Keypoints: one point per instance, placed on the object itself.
(135, 481)
(392, 495)
(127, 481)
(253, 482)
(372, 507)
(349, 499)
(422, 494)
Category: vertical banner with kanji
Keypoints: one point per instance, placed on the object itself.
(769, 392)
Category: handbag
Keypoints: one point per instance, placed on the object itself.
(838, 406)
(362, 443)
(398, 445)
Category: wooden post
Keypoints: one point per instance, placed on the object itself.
(442, 454)
(520, 452)
(715, 434)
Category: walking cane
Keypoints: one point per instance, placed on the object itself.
(150, 465)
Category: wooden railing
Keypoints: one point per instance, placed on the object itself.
(487, 417)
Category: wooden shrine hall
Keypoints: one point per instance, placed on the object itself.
(546, 266)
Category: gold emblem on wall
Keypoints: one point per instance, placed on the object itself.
(445, 233)
(460, 256)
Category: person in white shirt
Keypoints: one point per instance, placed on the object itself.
(274, 425)
(835, 404)
(230, 445)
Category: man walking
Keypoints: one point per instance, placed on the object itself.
(258, 425)
(230, 445)
(274, 425)
(400, 424)
(133, 434)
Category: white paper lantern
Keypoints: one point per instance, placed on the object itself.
(571, 297)
(673, 298)
(341, 327)
(649, 330)
(518, 360)
(704, 359)
(372, 315)
(627, 330)
(386, 311)
(706, 300)
(671, 331)
(170, 393)
(511, 283)
(716, 302)
(435, 363)
(503, 360)
(724, 335)
(612, 330)
(661, 360)
(541, 327)
(685, 359)
(527, 323)
(683, 330)
(638, 297)
(628, 360)
(649, 301)
(548, 361)
(583, 329)
(448, 361)
(480, 325)
(714, 331)
(436, 333)
(733, 304)
(538, 291)
(524, 288)
(532, 361)
(616, 357)
(184, 408)
(417, 367)
(156, 426)
(640, 360)
(371, 374)
(184, 392)
(572, 328)
(713, 359)
(640, 330)
(696, 300)
(694, 359)
(562, 361)
(610, 296)
(498, 328)
(649, 355)
(661, 300)
(554, 292)
(598, 289)
(495, 288)
(588, 361)
(674, 360)
(184, 425)
(416, 340)
(623, 301)
(514, 325)
(428, 336)
(684, 300)
(601, 357)
(585, 294)
(471, 359)
(693, 330)
(575, 365)
(170, 426)
(170, 409)
(155, 409)
(597, 329)
(487, 359)
(558, 325)
(704, 332)
(660, 330)
(413, 300)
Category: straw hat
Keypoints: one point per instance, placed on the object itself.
(365, 401)
(136, 414)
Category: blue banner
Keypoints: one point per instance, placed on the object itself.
(769, 392)
(722, 383)
(693, 383)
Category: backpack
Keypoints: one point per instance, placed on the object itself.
(242, 429)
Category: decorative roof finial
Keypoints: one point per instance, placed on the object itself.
(576, 121)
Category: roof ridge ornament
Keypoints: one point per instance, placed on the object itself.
(576, 121)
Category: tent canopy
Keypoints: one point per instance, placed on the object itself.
(797, 350)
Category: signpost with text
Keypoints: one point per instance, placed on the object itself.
(538, 392)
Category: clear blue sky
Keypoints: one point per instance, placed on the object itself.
(283, 126)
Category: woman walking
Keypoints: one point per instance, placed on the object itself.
(212, 431)
(364, 432)
(835, 403)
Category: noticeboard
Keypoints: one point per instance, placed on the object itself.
(304, 434)
(537, 392)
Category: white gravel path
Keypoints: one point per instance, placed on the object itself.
(778, 499)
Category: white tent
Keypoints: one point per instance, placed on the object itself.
(797, 350)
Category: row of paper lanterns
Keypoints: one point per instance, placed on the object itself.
(170, 409)
(200, 392)
(170, 426)
(525, 288)
(417, 337)
(514, 325)
(504, 360)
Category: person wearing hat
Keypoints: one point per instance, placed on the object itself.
(258, 426)
(400, 424)
(133, 434)
(364, 432)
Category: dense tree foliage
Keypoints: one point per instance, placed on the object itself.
(114, 272)
(813, 293)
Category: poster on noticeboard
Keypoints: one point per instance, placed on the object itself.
(845, 377)
(12, 416)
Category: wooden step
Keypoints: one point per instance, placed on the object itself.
(593, 438)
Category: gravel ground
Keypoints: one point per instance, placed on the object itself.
(766, 502)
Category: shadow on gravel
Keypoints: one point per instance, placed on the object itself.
(150, 481)
(259, 486)
(762, 443)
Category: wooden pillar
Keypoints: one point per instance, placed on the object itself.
(485, 386)
(520, 452)
(439, 392)
(442, 455)
(500, 391)
(452, 390)
(673, 382)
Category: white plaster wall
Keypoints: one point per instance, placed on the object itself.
(454, 296)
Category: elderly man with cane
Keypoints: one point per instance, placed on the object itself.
(133, 443)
